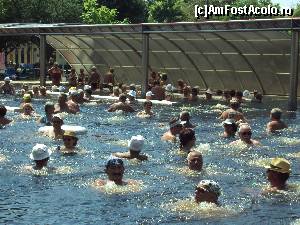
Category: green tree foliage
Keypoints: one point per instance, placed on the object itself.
(136, 11)
(297, 10)
(96, 15)
(40, 11)
(166, 11)
(93, 14)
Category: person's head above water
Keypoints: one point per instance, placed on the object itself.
(62, 98)
(27, 109)
(195, 161)
(40, 154)
(187, 139)
(69, 139)
(245, 132)
(49, 107)
(57, 121)
(136, 143)
(276, 114)
(207, 191)
(230, 127)
(234, 104)
(278, 172)
(175, 125)
(27, 98)
(185, 116)
(114, 168)
(122, 98)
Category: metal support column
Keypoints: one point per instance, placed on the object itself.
(145, 62)
(292, 103)
(43, 60)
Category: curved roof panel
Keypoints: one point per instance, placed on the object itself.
(253, 54)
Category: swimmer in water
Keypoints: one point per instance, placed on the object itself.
(276, 122)
(195, 161)
(49, 111)
(7, 88)
(245, 134)
(234, 107)
(176, 126)
(207, 191)
(27, 111)
(43, 92)
(3, 120)
(194, 94)
(147, 110)
(26, 99)
(135, 146)
(230, 128)
(55, 131)
(132, 98)
(61, 105)
(149, 95)
(70, 141)
(185, 117)
(208, 94)
(40, 154)
(187, 139)
(114, 169)
(121, 105)
(73, 102)
(278, 172)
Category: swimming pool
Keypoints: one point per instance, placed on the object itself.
(68, 198)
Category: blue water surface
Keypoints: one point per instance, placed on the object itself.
(70, 199)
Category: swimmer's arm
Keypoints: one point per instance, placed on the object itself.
(112, 108)
(120, 154)
(222, 116)
(143, 157)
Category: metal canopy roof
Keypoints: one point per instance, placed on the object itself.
(252, 54)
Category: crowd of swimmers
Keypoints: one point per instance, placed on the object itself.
(80, 89)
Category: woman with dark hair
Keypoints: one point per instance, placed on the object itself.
(187, 139)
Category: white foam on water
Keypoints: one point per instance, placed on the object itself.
(201, 210)
(289, 141)
(2, 158)
(203, 148)
(294, 155)
(219, 106)
(116, 119)
(111, 188)
(46, 170)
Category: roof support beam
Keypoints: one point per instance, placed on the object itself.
(145, 62)
(43, 60)
(292, 103)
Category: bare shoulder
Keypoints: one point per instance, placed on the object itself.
(255, 142)
(99, 182)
